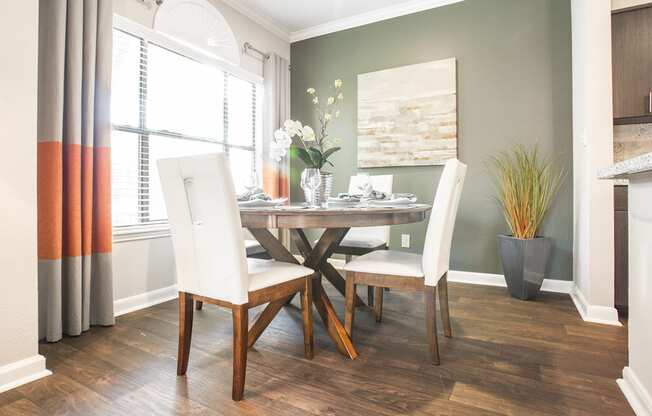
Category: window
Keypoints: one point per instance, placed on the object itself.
(166, 104)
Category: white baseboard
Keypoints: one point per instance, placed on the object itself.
(635, 393)
(474, 278)
(22, 372)
(491, 279)
(598, 314)
(145, 300)
(486, 279)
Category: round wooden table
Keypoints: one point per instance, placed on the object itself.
(336, 222)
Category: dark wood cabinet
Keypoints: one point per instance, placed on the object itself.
(621, 249)
(632, 65)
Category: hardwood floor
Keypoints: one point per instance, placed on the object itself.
(506, 357)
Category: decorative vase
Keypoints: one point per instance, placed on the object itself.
(323, 192)
(525, 264)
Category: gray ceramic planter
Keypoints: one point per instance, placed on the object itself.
(525, 264)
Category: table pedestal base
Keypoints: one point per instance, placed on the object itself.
(315, 258)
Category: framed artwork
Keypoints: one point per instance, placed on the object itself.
(407, 116)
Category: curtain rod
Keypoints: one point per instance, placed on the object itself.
(157, 2)
(249, 47)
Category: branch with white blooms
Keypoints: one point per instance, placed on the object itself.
(315, 150)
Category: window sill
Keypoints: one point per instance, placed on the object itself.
(140, 232)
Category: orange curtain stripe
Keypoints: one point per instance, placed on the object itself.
(86, 200)
(102, 229)
(72, 195)
(275, 184)
(50, 191)
(67, 176)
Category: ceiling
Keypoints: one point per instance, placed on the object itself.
(296, 20)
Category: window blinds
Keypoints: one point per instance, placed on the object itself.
(167, 105)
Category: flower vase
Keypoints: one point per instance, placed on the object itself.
(322, 193)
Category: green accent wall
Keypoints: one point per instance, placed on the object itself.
(514, 86)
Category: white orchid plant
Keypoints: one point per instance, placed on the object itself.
(315, 149)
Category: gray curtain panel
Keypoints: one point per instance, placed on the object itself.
(74, 167)
(276, 109)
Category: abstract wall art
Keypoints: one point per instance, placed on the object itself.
(407, 116)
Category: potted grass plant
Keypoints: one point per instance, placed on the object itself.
(526, 184)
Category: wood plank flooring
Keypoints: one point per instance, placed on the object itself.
(506, 357)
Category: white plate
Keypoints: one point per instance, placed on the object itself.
(391, 202)
(257, 203)
(343, 203)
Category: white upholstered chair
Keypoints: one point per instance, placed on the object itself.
(362, 240)
(210, 257)
(408, 271)
(253, 249)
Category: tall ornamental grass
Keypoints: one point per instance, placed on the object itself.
(526, 183)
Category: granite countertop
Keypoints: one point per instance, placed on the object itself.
(639, 164)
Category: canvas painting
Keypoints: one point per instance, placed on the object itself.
(407, 116)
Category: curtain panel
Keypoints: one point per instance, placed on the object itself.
(276, 109)
(74, 177)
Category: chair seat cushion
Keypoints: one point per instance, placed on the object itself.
(362, 242)
(252, 244)
(266, 273)
(389, 262)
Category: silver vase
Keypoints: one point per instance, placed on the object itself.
(322, 193)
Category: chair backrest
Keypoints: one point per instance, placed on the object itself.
(439, 236)
(206, 230)
(381, 183)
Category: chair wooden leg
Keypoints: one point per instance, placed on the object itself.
(442, 291)
(185, 332)
(240, 324)
(306, 311)
(349, 304)
(431, 323)
(370, 296)
(199, 305)
(378, 303)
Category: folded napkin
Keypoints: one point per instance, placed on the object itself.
(368, 192)
(258, 203)
(372, 194)
(255, 194)
(393, 200)
(404, 195)
(345, 197)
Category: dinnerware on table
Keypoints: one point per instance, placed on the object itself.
(258, 203)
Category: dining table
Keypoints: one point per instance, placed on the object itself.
(336, 222)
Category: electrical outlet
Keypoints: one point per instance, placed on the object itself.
(405, 240)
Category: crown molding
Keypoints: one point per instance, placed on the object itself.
(368, 17)
(257, 18)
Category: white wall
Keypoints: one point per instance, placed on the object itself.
(144, 268)
(636, 383)
(593, 264)
(19, 359)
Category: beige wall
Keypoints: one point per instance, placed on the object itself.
(19, 359)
